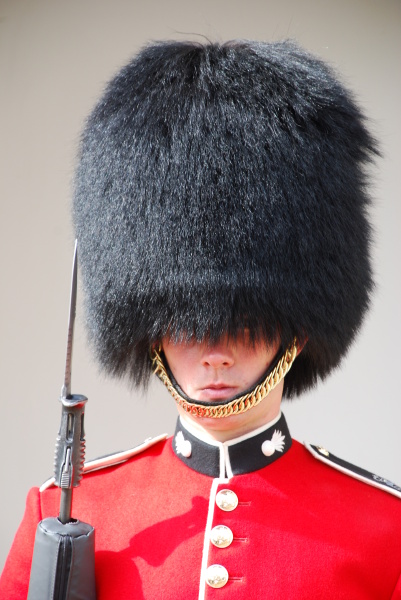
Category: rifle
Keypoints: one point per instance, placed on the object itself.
(63, 563)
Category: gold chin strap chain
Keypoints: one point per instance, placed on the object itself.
(238, 405)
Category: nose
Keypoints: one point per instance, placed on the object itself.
(218, 355)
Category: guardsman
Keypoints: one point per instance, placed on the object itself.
(221, 214)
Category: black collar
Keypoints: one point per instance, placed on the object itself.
(238, 456)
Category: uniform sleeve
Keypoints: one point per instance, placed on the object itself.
(14, 581)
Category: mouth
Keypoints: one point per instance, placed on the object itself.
(217, 391)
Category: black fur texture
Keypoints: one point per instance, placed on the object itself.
(223, 185)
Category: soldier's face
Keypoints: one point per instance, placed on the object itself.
(221, 371)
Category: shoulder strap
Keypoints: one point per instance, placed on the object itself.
(112, 460)
(352, 470)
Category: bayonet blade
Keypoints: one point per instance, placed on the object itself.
(66, 389)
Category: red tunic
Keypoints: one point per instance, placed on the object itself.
(300, 530)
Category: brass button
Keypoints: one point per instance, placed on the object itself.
(216, 576)
(227, 500)
(221, 536)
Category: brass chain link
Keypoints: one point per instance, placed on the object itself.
(236, 406)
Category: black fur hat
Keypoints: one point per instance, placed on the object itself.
(220, 185)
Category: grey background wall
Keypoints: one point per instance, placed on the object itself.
(55, 58)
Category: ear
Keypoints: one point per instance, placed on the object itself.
(301, 345)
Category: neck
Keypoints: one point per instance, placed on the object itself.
(204, 435)
(228, 428)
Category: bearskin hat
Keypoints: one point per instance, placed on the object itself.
(222, 186)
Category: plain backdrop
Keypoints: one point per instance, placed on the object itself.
(55, 58)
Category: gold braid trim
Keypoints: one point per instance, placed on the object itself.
(238, 405)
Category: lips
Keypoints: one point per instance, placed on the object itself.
(217, 391)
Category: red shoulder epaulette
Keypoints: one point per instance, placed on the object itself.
(333, 461)
(111, 460)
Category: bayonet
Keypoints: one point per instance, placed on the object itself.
(63, 563)
(70, 445)
(66, 388)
